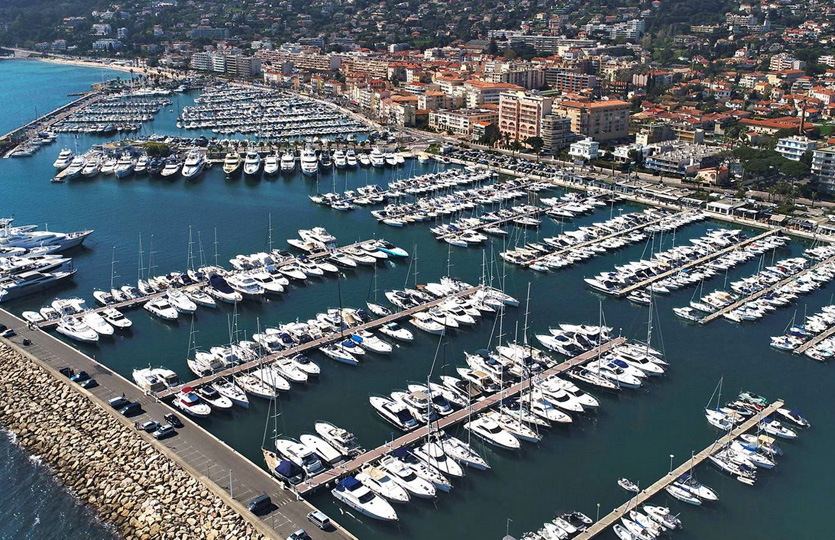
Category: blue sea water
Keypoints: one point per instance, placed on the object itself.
(574, 468)
(33, 506)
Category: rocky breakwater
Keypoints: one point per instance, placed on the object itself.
(109, 466)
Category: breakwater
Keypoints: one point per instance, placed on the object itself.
(107, 464)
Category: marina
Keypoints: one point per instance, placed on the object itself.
(654, 421)
(766, 291)
(458, 416)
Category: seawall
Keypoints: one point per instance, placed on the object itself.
(105, 462)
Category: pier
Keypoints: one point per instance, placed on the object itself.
(707, 258)
(622, 510)
(814, 341)
(716, 314)
(498, 223)
(325, 340)
(47, 120)
(458, 416)
(134, 302)
(600, 239)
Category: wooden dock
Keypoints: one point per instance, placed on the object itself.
(134, 302)
(622, 510)
(458, 416)
(701, 260)
(750, 298)
(325, 340)
(600, 239)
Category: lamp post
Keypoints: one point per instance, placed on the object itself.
(671, 463)
(597, 518)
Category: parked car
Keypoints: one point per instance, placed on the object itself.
(164, 432)
(118, 402)
(149, 426)
(131, 409)
(260, 503)
(80, 377)
(172, 419)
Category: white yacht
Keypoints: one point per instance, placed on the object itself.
(377, 158)
(124, 166)
(381, 483)
(309, 162)
(252, 163)
(395, 331)
(64, 158)
(231, 391)
(339, 159)
(491, 432)
(172, 167)
(191, 404)
(214, 398)
(353, 493)
(408, 479)
(92, 167)
(160, 307)
(141, 166)
(76, 330)
(339, 438)
(288, 161)
(193, 165)
(433, 454)
(97, 323)
(244, 284)
(254, 386)
(351, 159)
(301, 455)
(181, 302)
(232, 163)
(75, 167)
(394, 412)
(271, 165)
(148, 381)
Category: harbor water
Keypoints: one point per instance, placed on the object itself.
(632, 435)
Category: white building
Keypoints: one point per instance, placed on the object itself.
(587, 148)
(823, 168)
(794, 147)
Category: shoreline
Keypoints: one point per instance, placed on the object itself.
(137, 490)
(135, 70)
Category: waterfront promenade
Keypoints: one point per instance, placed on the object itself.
(200, 453)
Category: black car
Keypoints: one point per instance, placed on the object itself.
(7, 333)
(260, 504)
(67, 371)
(172, 419)
(131, 409)
(89, 383)
(118, 402)
(80, 377)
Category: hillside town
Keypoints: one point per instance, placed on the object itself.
(744, 99)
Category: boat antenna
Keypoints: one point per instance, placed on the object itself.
(216, 255)
(190, 257)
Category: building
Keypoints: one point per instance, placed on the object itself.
(823, 168)
(122, 33)
(240, 66)
(206, 32)
(601, 120)
(461, 121)
(588, 149)
(569, 81)
(794, 147)
(521, 113)
(480, 93)
(107, 45)
(785, 61)
(682, 158)
(556, 133)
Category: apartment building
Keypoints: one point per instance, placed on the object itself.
(601, 120)
(794, 147)
(521, 114)
(823, 168)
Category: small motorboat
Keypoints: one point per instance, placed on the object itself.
(628, 485)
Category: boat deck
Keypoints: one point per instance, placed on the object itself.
(135, 302)
(707, 258)
(643, 496)
(457, 416)
(716, 314)
(325, 340)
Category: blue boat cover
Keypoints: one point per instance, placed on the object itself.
(287, 469)
(349, 482)
(220, 284)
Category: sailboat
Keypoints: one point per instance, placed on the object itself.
(375, 308)
(114, 295)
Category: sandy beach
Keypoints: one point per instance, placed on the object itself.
(23, 54)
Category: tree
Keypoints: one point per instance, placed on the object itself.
(536, 144)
